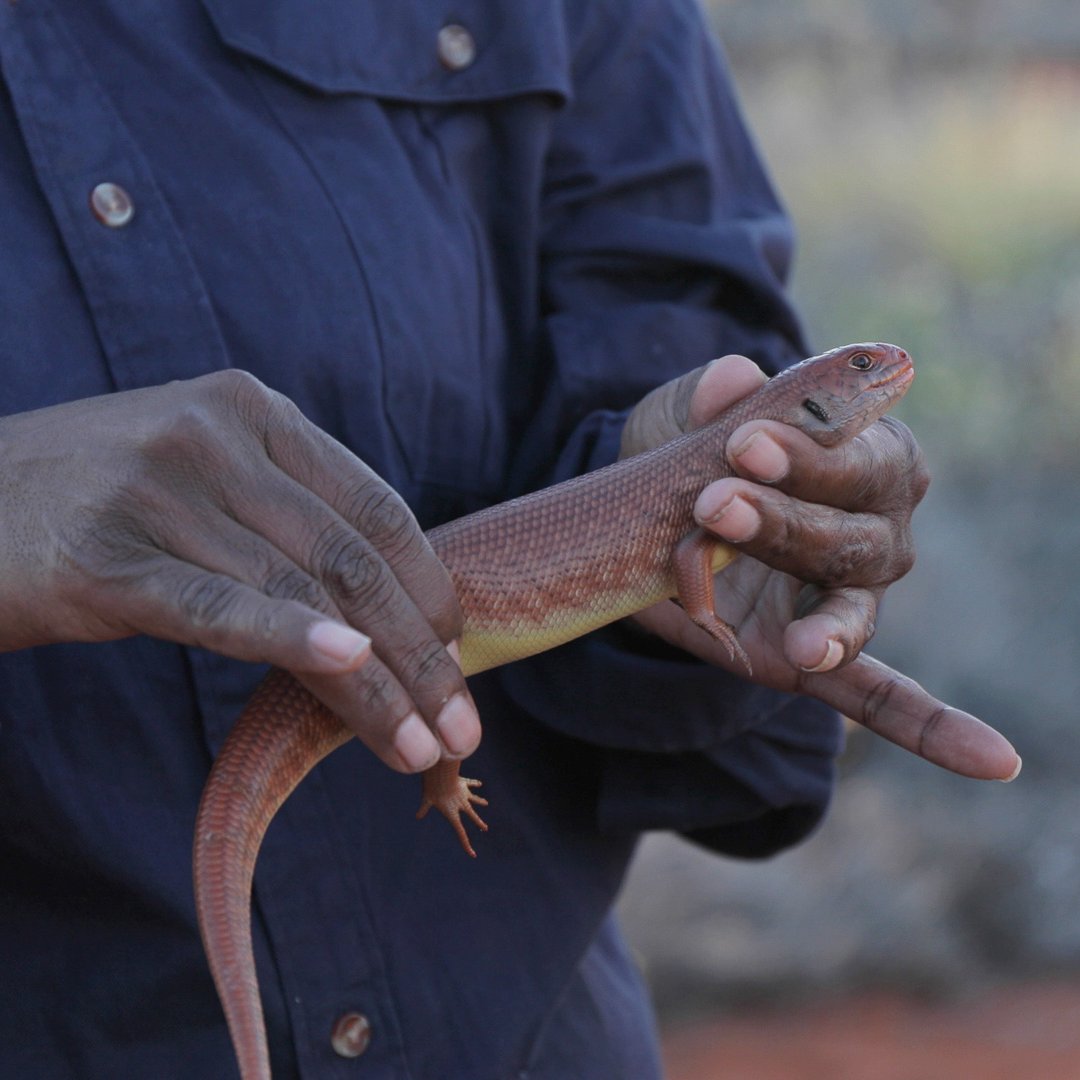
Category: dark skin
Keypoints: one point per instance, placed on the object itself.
(839, 518)
(211, 512)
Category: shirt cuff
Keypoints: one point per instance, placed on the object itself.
(626, 689)
(752, 796)
(736, 767)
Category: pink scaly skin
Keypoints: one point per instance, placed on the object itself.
(531, 574)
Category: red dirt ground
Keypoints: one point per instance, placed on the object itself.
(1030, 1032)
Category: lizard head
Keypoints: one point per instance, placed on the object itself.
(844, 391)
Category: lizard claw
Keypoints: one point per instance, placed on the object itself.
(453, 795)
(723, 633)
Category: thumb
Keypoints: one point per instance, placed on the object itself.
(719, 386)
(688, 402)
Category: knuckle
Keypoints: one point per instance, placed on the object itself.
(782, 536)
(390, 528)
(188, 445)
(239, 394)
(292, 583)
(377, 692)
(97, 545)
(910, 461)
(233, 386)
(677, 398)
(352, 570)
(846, 567)
(192, 424)
(206, 602)
(903, 560)
(384, 519)
(428, 664)
(919, 473)
(854, 558)
(877, 701)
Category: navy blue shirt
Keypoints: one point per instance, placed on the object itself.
(466, 261)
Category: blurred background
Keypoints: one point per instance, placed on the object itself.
(930, 155)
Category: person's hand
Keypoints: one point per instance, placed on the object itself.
(828, 530)
(211, 512)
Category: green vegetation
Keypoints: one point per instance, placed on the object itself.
(941, 211)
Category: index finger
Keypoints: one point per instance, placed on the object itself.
(881, 466)
(898, 709)
(357, 494)
(360, 544)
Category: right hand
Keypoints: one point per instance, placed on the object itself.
(839, 518)
(212, 513)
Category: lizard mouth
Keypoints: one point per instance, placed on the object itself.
(902, 374)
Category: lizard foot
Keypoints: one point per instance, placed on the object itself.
(453, 795)
(721, 631)
(695, 559)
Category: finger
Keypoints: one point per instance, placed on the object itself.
(283, 622)
(688, 402)
(315, 559)
(372, 598)
(175, 600)
(898, 709)
(413, 681)
(319, 562)
(376, 707)
(813, 542)
(880, 469)
(836, 626)
(722, 382)
(370, 574)
(324, 467)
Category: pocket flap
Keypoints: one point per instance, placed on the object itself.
(493, 49)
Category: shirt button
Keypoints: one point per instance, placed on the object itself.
(351, 1035)
(456, 47)
(112, 205)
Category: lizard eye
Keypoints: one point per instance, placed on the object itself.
(861, 362)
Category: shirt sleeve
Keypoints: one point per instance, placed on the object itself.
(664, 246)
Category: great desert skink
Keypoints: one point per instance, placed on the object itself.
(530, 574)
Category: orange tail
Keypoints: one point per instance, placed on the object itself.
(280, 737)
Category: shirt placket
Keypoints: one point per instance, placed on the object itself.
(155, 322)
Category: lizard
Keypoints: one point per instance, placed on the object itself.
(530, 574)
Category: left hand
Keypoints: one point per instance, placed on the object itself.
(828, 530)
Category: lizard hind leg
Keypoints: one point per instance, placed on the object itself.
(452, 795)
(696, 557)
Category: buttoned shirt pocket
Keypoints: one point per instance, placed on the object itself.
(412, 141)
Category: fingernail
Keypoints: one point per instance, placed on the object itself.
(734, 520)
(342, 644)
(459, 726)
(834, 653)
(1015, 773)
(415, 744)
(762, 456)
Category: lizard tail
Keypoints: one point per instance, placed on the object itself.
(278, 739)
